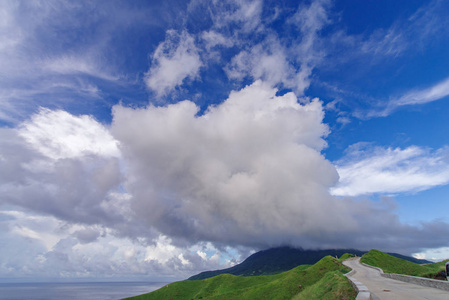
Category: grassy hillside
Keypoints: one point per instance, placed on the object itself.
(391, 264)
(334, 285)
(346, 256)
(275, 260)
(281, 259)
(323, 280)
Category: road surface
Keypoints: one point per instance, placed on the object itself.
(386, 288)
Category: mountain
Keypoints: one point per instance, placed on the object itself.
(276, 260)
(323, 280)
(390, 264)
(411, 259)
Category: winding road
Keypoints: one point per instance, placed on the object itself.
(386, 288)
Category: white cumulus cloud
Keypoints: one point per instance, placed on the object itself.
(58, 134)
(248, 171)
(267, 61)
(174, 60)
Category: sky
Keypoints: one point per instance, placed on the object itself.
(153, 140)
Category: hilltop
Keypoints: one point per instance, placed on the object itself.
(391, 264)
(323, 280)
(281, 259)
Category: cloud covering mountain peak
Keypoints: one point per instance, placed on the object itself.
(245, 172)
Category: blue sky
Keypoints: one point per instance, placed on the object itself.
(148, 140)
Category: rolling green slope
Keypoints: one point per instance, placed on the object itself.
(324, 279)
(334, 285)
(276, 260)
(391, 264)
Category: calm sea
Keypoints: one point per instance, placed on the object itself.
(76, 291)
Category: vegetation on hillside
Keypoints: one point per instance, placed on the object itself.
(346, 256)
(281, 259)
(323, 280)
(276, 260)
(391, 264)
(334, 285)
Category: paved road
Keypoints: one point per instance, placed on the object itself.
(386, 288)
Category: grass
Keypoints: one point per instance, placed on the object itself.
(275, 260)
(346, 256)
(323, 280)
(391, 264)
(334, 285)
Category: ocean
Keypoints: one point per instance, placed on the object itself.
(76, 291)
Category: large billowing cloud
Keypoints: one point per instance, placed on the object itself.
(248, 171)
(64, 214)
(52, 248)
(58, 134)
(167, 189)
(180, 188)
(62, 165)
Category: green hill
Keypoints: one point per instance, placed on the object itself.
(391, 264)
(323, 280)
(276, 260)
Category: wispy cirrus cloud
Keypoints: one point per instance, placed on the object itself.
(51, 55)
(246, 15)
(436, 92)
(433, 93)
(414, 97)
(72, 65)
(424, 24)
(386, 50)
(374, 170)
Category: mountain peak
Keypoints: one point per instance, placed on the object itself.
(281, 259)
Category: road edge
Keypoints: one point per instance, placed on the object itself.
(363, 293)
(427, 282)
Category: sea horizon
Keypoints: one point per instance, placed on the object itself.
(76, 290)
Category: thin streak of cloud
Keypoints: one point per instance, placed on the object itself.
(365, 170)
(433, 93)
(52, 52)
(68, 65)
(436, 92)
(427, 22)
